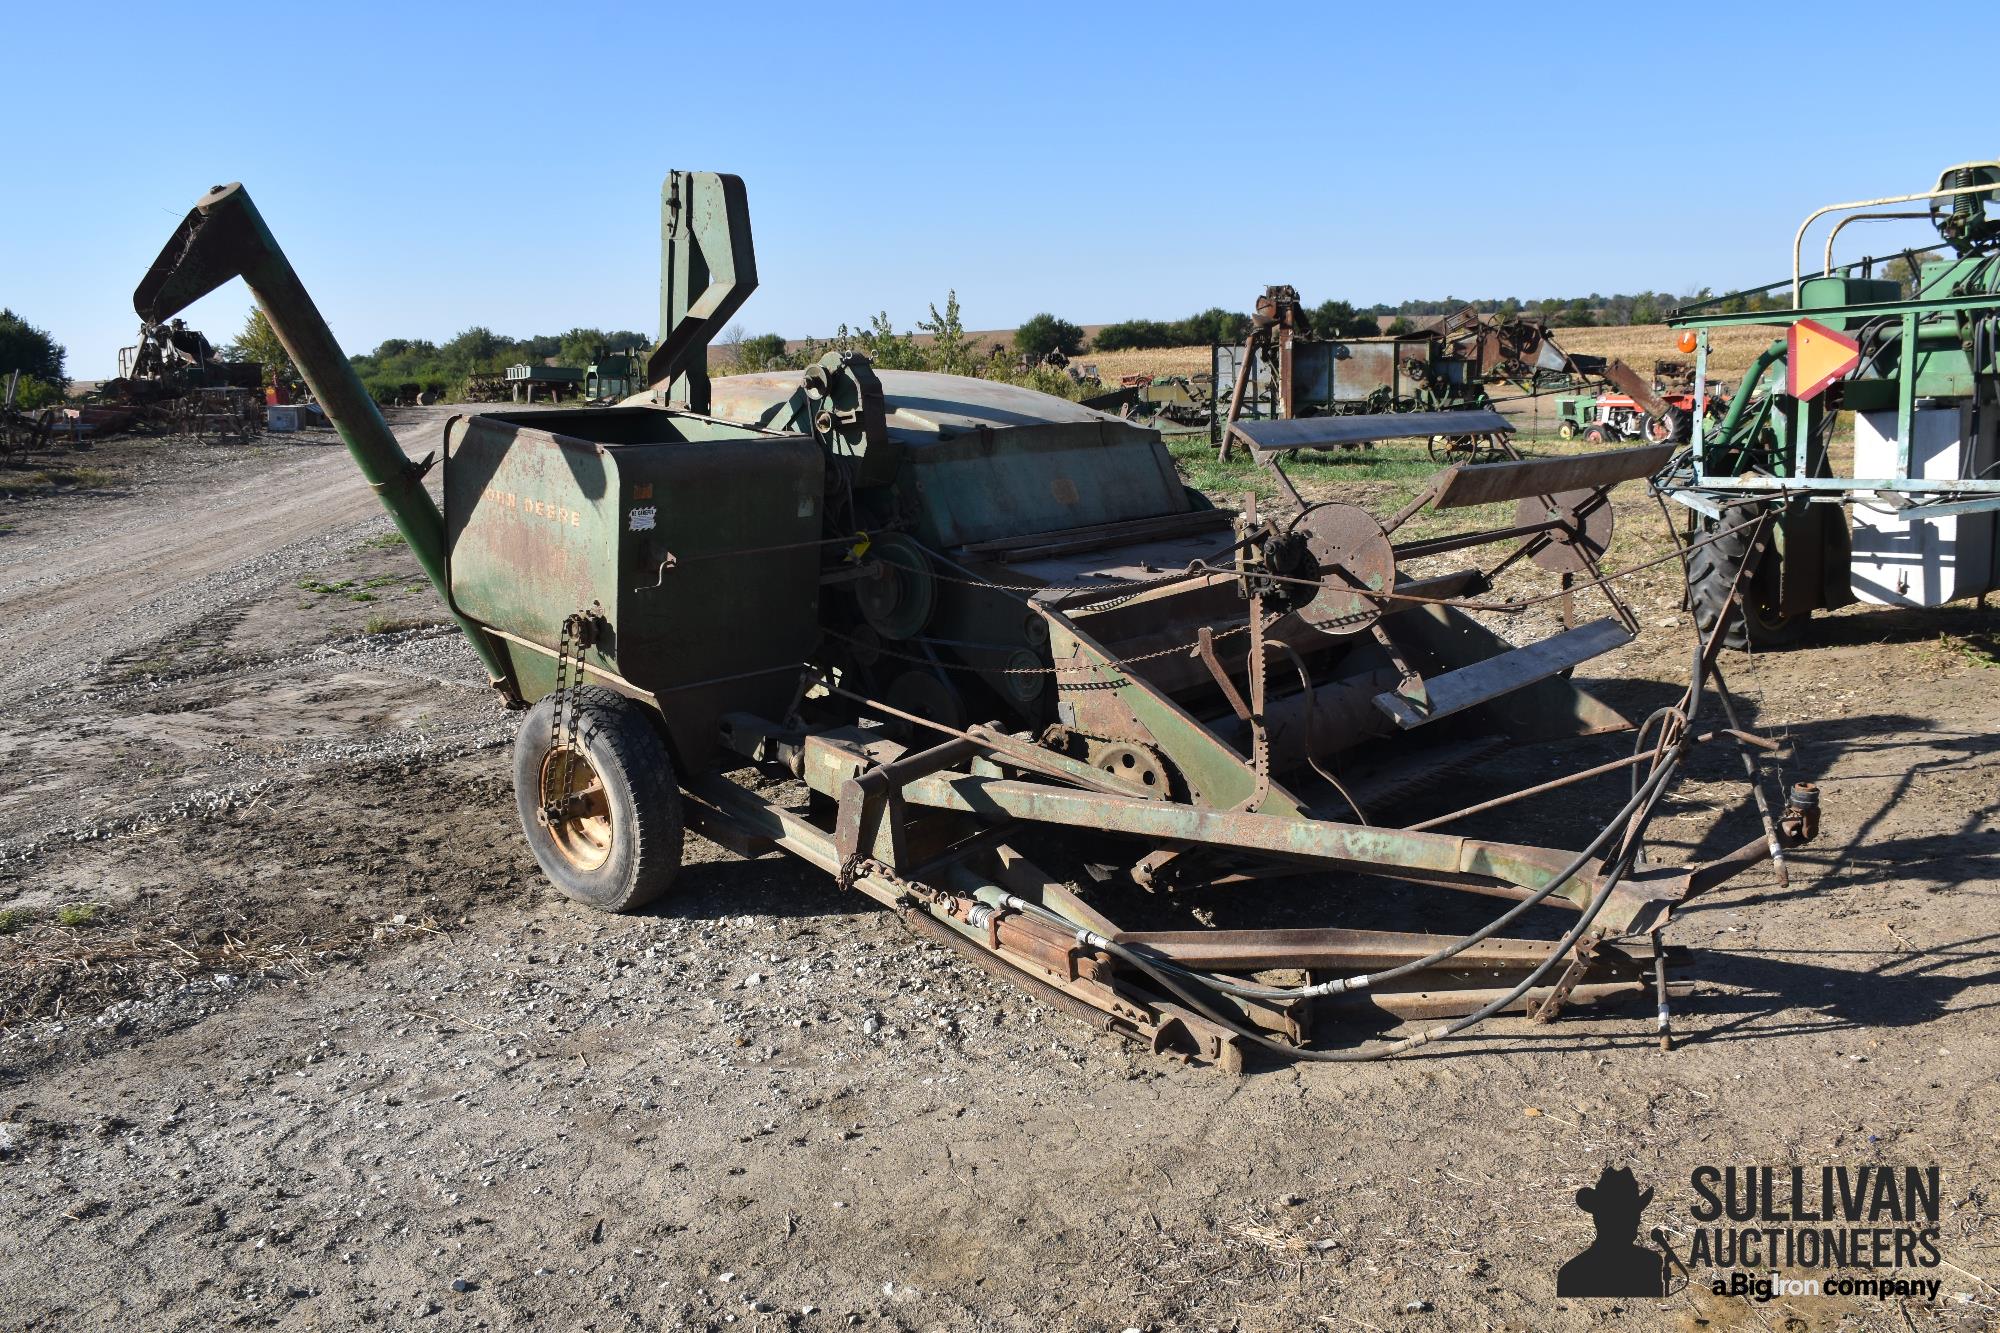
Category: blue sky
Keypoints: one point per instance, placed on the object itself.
(434, 166)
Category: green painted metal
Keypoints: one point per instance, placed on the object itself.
(1396, 853)
(224, 237)
(642, 515)
(1934, 348)
(708, 269)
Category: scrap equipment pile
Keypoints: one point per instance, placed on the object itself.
(1283, 372)
(982, 656)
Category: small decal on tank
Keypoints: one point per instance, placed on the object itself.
(642, 519)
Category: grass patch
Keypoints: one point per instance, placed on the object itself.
(361, 596)
(384, 541)
(381, 580)
(323, 587)
(77, 914)
(13, 918)
(54, 479)
(1981, 650)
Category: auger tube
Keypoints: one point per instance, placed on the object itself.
(224, 237)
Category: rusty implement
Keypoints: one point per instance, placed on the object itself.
(984, 657)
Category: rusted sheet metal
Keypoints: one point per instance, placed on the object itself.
(1516, 479)
(1470, 686)
(1343, 432)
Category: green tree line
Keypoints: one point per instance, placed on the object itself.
(37, 356)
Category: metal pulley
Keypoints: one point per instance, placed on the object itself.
(1343, 549)
(898, 592)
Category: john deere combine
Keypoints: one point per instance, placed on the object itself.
(982, 656)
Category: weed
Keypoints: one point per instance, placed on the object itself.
(76, 914)
(84, 478)
(1978, 649)
(381, 624)
(322, 586)
(13, 918)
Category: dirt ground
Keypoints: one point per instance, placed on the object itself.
(293, 1035)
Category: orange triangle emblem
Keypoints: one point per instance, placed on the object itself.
(1816, 356)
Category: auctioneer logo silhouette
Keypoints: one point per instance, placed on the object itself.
(1615, 1264)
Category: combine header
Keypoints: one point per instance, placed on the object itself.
(979, 654)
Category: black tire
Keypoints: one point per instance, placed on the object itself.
(626, 859)
(1672, 426)
(1755, 622)
(1598, 435)
(1566, 431)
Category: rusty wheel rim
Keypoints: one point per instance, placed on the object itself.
(579, 818)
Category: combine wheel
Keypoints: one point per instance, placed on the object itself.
(1755, 623)
(613, 838)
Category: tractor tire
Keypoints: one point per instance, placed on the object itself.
(1598, 435)
(1673, 426)
(1752, 623)
(1566, 431)
(618, 849)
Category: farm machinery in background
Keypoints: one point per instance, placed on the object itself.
(1905, 513)
(174, 379)
(170, 380)
(1416, 382)
(981, 655)
(1665, 408)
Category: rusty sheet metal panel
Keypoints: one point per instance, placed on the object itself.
(1516, 479)
(1482, 682)
(676, 537)
(1345, 432)
(1356, 369)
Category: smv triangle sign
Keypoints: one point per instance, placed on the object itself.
(1816, 356)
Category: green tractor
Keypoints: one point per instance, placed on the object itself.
(1900, 507)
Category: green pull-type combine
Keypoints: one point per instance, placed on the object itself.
(980, 646)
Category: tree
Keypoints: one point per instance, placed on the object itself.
(765, 351)
(259, 342)
(1645, 309)
(951, 350)
(579, 348)
(1576, 315)
(1338, 319)
(478, 348)
(1400, 326)
(1042, 334)
(1136, 333)
(1214, 325)
(30, 350)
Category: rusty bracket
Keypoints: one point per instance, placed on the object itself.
(1409, 684)
(1581, 959)
(1205, 649)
